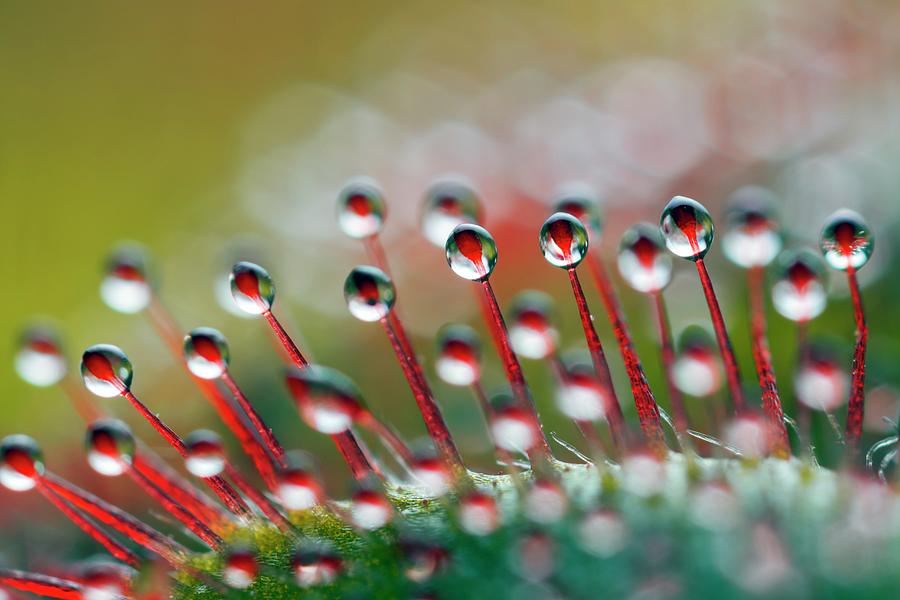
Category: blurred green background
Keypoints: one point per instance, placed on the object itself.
(187, 126)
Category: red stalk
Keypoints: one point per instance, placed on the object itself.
(353, 454)
(856, 406)
(259, 499)
(262, 429)
(388, 437)
(167, 480)
(290, 347)
(667, 349)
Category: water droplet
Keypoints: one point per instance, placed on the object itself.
(531, 331)
(240, 569)
(370, 510)
(369, 293)
(643, 474)
(753, 236)
(696, 372)
(534, 557)
(581, 396)
(422, 559)
(361, 208)
(687, 228)
(799, 292)
(512, 427)
(714, 507)
(564, 240)
(252, 288)
(21, 463)
(643, 262)
(40, 360)
(447, 205)
(478, 513)
(821, 383)
(471, 252)
(205, 454)
(584, 206)
(458, 355)
(603, 533)
(206, 353)
(104, 580)
(751, 435)
(106, 370)
(316, 562)
(126, 287)
(431, 473)
(298, 485)
(328, 400)
(110, 447)
(545, 502)
(847, 241)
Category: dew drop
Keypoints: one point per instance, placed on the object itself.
(458, 357)
(361, 208)
(103, 580)
(110, 447)
(753, 236)
(714, 507)
(422, 559)
(126, 287)
(545, 502)
(847, 241)
(534, 557)
(298, 485)
(471, 252)
(252, 288)
(206, 353)
(205, 454)
(581, 396)
(531, 331)
(370, 293)
(603, 533)
(106, 370)
(21, 463)
(696, 371)
(370, 510)
(564, 240)
(328, 400)
(799, 291)
(642, 261)
(512, 427)
(750, 435)
(432, 475)
(316, 562)
(448, 204)
(240, 568)
(643, 474)
(687, 228)
(478, 513)
(39, 360)
(584, 206)
(821, 383)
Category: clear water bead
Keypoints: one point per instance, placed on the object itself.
(205, 454)
(584, 206)
(39, 360)
(531, 331)
(821, 383)
(847, 241)
(471, 252)
(696, 371)
(370, 510)
(106, 370)
(298, 485)
(564, 240)
(110, 447)
(316, 562)
(21, 463)
(126, 287)
(328, 400)
(753, 236)
(206, 353)
(448, 204)
(687, 228)
(370, 293)
(799, 292)
(513, 429)
(361, 208)
(458, 360)
(581, 396)
(478, 513)
(252, 288)
(643, 262)
(240, 568)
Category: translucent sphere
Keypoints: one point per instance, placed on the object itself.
(564, 240)
(643, 475)
(687, 228)
(584, 206)
(448, 204)
(106, 370)
(696, 371)
(545, 502)
(252, 288)
(478, 513)
(39, 360)
(316, 563)
(531, 331)
(205, 454)
(514, 430)
(643, 262)
(753, 236)
(126, 287)
(298, 486)
(799, 292)
(822, 384)
(370, 510)
(370, 293)
(471, 252)
(361, 208)
(110, 447)
(603, 533)
(206, 353)
(432, 475)
(328, 400)
(104, 580)
(751, 435)
(21, 463)
(581, 396)
(240, 568)
(847, 241)
(458, 360)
